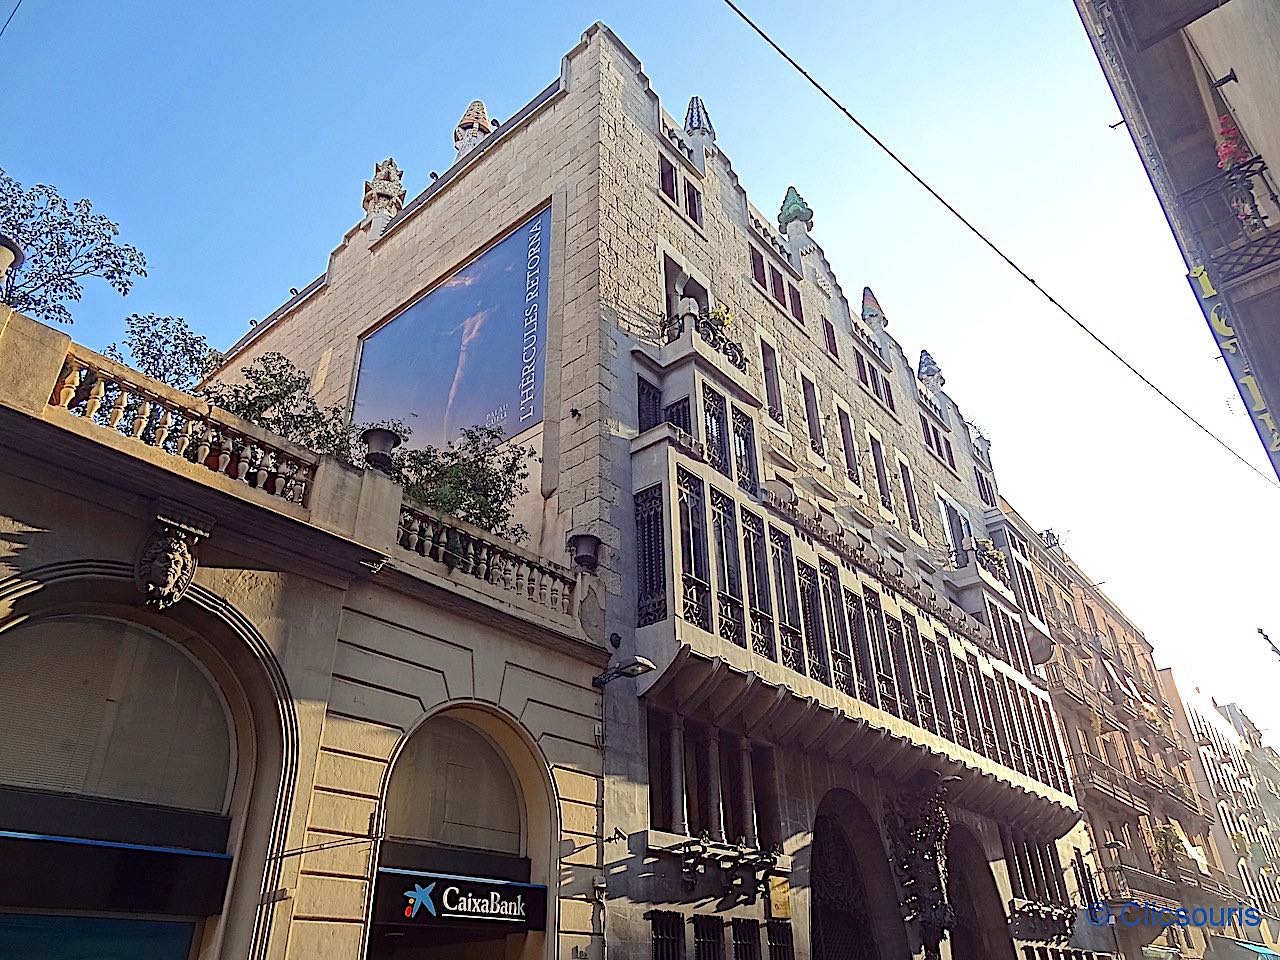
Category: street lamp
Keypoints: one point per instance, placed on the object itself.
(634, 667)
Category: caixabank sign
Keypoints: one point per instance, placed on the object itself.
(414, 898)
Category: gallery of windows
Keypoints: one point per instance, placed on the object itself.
(751, 579)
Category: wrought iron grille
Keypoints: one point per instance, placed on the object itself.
(781, 946)
(784, 578)
(696, 589)
(716, 427)
(811, 617)
(837, 630)
(862, 658)
(757, 569)
(916, 658)
(744, 451)
(677, 414)
(648, 404)
(746, 939)
(667, 935)
(886, 683)
(729, 592)
(901, 669)
(651, 557)
(708, 938)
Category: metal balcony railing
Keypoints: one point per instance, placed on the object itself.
(1235, 218)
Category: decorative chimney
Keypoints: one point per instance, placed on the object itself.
(929, 372)
(872, 315)
(472, 128)
(384, 194)
(794, 210)
(697, 125)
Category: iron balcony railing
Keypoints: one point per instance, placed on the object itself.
(1234, 218)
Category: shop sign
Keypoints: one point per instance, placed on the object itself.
(411, 897)
(1222, 324)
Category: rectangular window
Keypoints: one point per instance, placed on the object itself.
(724, 527)
(909, 492)
(667, 176)
(648, 404)
(812, 416)
(886, 682)
(811, 616)
(862, 367)
(757, 266)
(780, 945)
(659, 729)
(668, 934)
(882, 474)
(776, 285)
(897, 644)
(708, 938)
(888, 394)
(863, 660)
(715, 421)
(756, 565)
(986, 490)
(850, 449)
(829, 332)
(951, 460)
(772, 383)
(746, 939)
(696, 606)
(797, 308)
(677, 414)
(651, 557)
(784, 585)
(744, 451)
(837, 630)
(693, 202)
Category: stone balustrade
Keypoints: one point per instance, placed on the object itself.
(468, 550)
(115, 397)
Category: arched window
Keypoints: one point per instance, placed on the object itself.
(104, 708)
(452, 786)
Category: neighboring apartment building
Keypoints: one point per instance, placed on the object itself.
(1147, 826)
(1243, 844)
(258, 704)
(1197, 82)
(843, 749)
(1264, 765)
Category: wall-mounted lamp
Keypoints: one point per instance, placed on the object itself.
(11, 257)
(1223, 81)
(380, 442)
(585, 548)
(634, 667)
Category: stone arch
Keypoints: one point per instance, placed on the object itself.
(241, 663)
(981, 928)
(854, 910)
(537, 796)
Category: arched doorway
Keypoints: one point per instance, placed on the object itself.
(117, 780)
(854, 912)
(981, 929)
(464, 865)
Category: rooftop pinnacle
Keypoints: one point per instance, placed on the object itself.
(794, 209)
(472, 128)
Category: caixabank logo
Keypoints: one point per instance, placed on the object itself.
(417, 898)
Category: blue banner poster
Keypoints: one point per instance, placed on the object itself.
(469, 353)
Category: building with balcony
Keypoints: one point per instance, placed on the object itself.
(257, 703)
(1196, 82)
(843, 749)
(1146, 826)
(1264, 765)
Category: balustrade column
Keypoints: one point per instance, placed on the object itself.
(679, 824)
(1053, 873)
(748, 796)
(714, 802)
(1038, 879)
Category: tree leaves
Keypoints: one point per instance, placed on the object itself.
(63, 244)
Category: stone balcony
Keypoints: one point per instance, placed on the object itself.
(82, 412)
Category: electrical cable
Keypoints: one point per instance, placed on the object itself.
(11, 14)
(887, 150)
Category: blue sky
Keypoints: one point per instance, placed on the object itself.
(232, 141)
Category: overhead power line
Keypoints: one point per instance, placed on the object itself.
(11, 13)
(991, 244)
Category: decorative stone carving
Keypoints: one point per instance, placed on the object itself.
(698, 121)
(472, 128)
(794, 210)
(872, 315)
(166, 561)
(918, 826)
(384, 193)
(929, 372)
